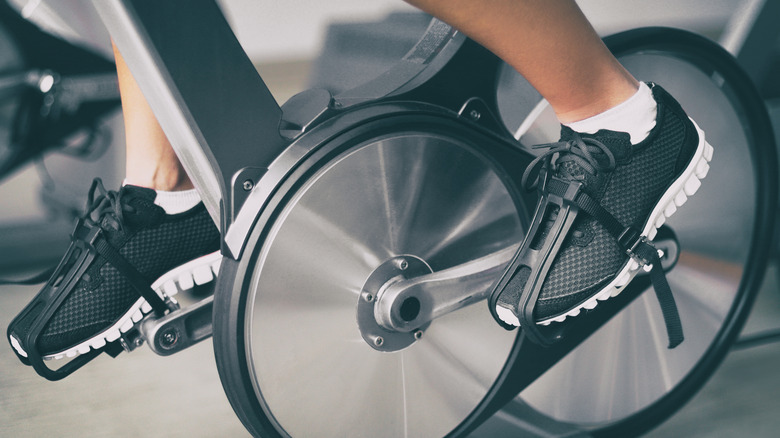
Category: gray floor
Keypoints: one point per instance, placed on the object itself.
(741, 398)
(138, 394)
(141, 394)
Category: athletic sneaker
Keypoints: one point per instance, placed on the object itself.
(106, 281)
(601, 201)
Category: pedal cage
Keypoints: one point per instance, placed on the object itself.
(536, 255)
(80, 255)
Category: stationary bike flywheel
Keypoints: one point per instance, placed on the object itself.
(379, 208)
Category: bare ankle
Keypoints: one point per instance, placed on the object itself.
(597, 101)
(165, 181)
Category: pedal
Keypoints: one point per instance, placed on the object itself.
(177, 330)
(131, 340)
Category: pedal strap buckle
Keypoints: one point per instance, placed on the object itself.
(637, 247)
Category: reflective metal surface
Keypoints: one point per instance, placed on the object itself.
(182, 132)
(438, 294)
(409, 194)
(626, 366)
(374, 318)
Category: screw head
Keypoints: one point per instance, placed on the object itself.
(418, 334)
(378, 341)
(168, 338)
(248, 185)
(403, 265)
(475, 115)
(368, 297)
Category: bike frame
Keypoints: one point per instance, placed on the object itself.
(234, 139)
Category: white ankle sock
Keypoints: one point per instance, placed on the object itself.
(636, 116)
(175, 202)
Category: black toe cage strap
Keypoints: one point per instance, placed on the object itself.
(137, 280)
(665, 298)
(644, 252)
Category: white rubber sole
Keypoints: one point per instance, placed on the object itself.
(678, 193)
(195, 272)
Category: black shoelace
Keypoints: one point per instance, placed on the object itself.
(581, 151)
(103, 205)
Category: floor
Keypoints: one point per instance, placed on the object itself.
(141, 394)
(741, 397)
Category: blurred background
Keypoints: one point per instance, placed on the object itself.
(295, 45)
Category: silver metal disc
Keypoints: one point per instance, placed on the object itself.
(411, 193)
(625, 367)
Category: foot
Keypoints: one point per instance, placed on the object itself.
(127, 258)
(578, 252)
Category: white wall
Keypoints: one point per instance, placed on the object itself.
(274, 30)
(292, 29)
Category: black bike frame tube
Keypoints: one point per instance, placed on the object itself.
(217, 112)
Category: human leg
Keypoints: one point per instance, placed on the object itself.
(551, 43)
(627, 150)
(131, 250)
(150, 160)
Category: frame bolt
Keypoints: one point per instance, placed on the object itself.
(248, 185)
(168, 338)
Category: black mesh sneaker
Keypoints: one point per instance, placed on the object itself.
(601, 202)
(127, 257)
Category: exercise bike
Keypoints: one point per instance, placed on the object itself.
(409, 185)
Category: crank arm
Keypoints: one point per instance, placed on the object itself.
(408, 304)
(179, 329)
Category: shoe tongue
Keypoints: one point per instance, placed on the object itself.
(619, 143)
(144, 211)
(131, 192)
